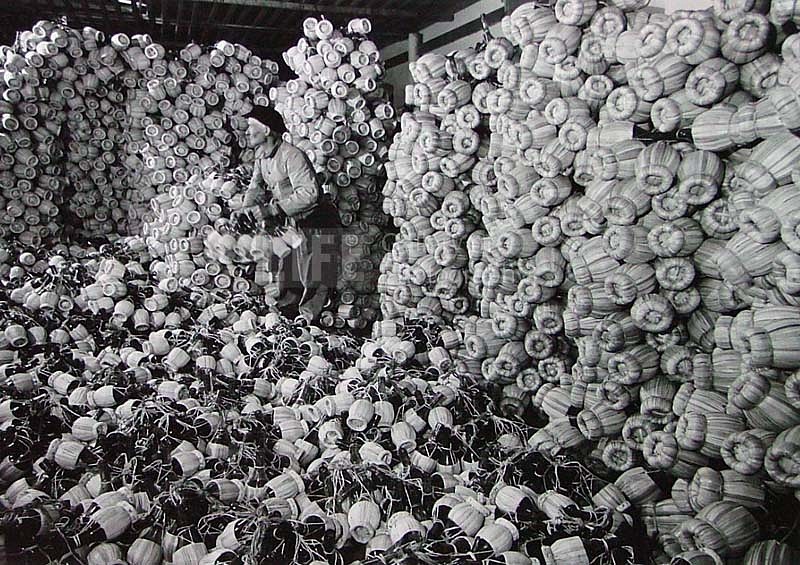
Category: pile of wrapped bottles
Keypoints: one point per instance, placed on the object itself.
(338, 111)
(143, 427)
(92, 126)
(604, 202)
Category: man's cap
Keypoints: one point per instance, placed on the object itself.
(269, 117)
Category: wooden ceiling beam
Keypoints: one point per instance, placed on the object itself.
(85, 12)
(271, 29)
(192, 22)
(50, 12)
(123, 14)
(151, 14)
(20, 20)
(135, 7)
(178, 18)
(163, 29)
(323, 8)
(232, 9)
(257, 24)
(106, 13)
(118, 7)
(209, 18)
(244, 15)
(129, 20)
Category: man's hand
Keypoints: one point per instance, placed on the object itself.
(256, 212)
(272, 209)
(247, 219)
(236, 215)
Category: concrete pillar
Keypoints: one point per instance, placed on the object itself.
(414, 41)
(511, 5)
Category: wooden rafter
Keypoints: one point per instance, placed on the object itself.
(135, 7)
(244, 15)
(192, 21)
(163, 19)
(151, 14)
(229, 14)
(178, 18)
(257, 23)
(118, 8)
(104, 7)
(211, 12)
(85, 8)
(245, 27)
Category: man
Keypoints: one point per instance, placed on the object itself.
(284, 186)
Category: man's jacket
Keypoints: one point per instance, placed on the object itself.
(290, 175)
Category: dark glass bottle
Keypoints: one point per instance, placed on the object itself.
(107, 524)
(681, 135)
(257, 477)
(313, 527)
(153, 533)
(22, 527)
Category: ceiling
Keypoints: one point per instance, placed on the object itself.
(268, 27)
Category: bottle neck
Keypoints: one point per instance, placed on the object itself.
(92, 534)
(681, 135)
(153, 533)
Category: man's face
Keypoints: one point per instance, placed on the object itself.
(257, 132)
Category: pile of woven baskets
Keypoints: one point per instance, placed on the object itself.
(603, 204)
(191, 120)
(92, 126)
(146, 427)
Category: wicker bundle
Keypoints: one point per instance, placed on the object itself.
(757, 330)
(637, 486)
(528, 24)
(764, 403)
(674, 112)
(763, 222)
(745, 38)
(769, 552)
(725, 527)
(780, 460)
(128, 125)
(774, 113)
(661, 272)
(709, 486)
(575, 13)
(658, 77)
(662, 517)
(743, 260)
(711, 81)
(744, 452)
(662, 451)
(694, 38)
